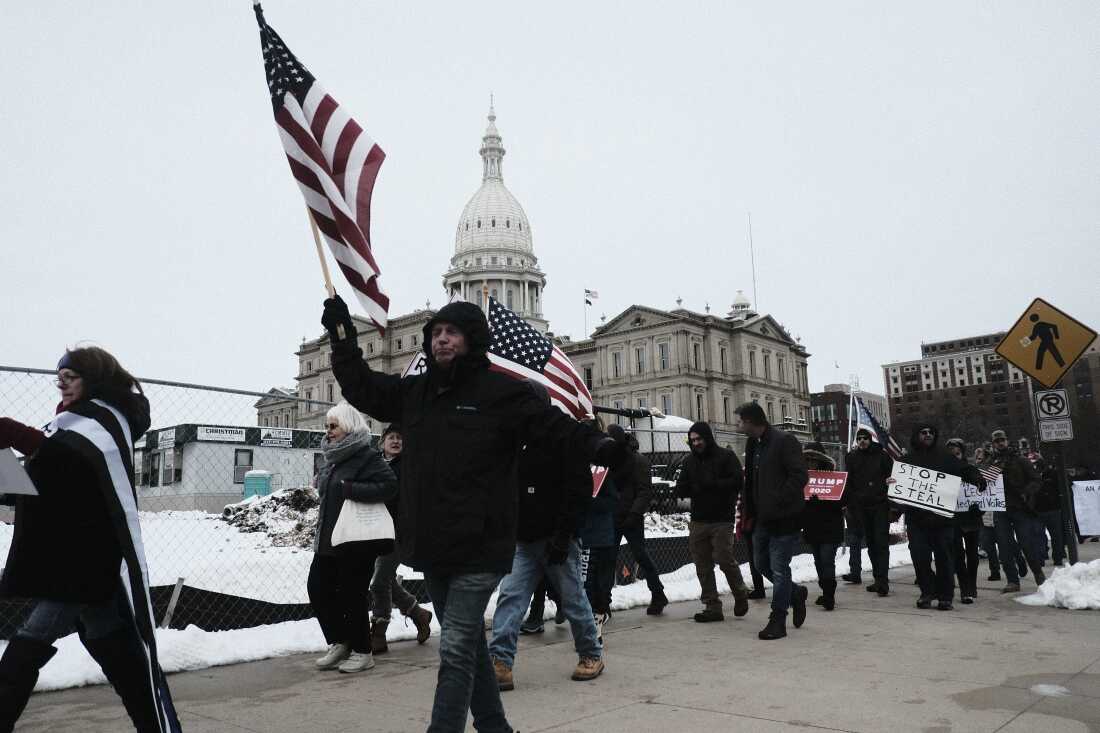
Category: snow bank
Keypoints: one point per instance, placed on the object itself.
(1076, 587)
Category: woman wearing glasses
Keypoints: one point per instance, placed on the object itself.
(76, 549)
(340, 575)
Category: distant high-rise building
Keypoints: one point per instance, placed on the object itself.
(830, 412)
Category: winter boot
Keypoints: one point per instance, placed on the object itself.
(799, 594)
(708, 615)
(657, 603)
(924, 602)
(741, 603)
(378, 643)
(422, 618)
(336, 653)
(1011, 588)
(122, 658)
(504, 676)
(588, 668)
(994, 575)
(18, 675)
(1040, 576)
(776, 628)
(852, 578)
(757, 594)
(828, 597)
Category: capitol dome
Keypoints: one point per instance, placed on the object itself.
(493, 218)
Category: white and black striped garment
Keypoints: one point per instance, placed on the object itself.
(101, 435)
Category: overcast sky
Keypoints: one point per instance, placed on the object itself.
(914, 171)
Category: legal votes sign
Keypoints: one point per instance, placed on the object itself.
(933, 491)
(827, 485)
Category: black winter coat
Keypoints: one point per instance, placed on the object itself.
(554, 492)
(1020, 479)
(364, 476)
(1049, 498)
(635, 484)
(712, 480)
(463, 430)
(939, 459)
(65, 545)
(867, 474)
(823, 521)
(776, 482)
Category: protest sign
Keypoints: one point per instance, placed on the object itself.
(1086, 504)
(990, 500)
(13, 479)
(826, 485)
(933, 491)
(599, 474)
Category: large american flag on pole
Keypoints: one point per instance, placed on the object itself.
(520, 351)
(335, 163)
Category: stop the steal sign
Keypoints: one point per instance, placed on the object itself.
(924, 488)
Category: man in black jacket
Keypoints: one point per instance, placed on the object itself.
(711, 477)
(635, 485)
(464, 428)
(775, 479)
(1016, 527)
(868, 468)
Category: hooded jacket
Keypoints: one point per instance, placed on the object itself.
(464, 427)
(936, 458)
(775, 475)
(634, 482)
(1021, 480)
(712, 480)
(867, 473)
(822, 521)
(554, 491)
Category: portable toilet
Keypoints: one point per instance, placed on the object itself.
(257, 483)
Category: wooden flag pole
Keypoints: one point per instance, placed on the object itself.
(321, 254)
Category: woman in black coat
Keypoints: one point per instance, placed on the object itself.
(823, 528)
(74, 544)
(340, 575)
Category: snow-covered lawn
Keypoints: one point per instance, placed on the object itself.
(1076, 587)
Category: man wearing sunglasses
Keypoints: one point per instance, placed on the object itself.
(1015, 527)
(868, 468)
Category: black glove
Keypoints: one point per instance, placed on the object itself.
(337, 320)
(557, 549)
(610, 453)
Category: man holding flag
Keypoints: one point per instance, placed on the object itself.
(868, 468)
(465, 425)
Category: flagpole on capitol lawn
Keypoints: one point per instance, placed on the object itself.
(585, 334)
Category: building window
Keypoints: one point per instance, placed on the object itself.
(329, 392)
(511, 298)
(493, 222)
(767, 366)
(771, 407)
(752, 363)
(698, 406)
(666, 404)
(726, 410)
(398, 346)
(309, 367)
(782, 371)
(639, 360)
(695, 355)
(662, 355)
(616, 364)
(242, 458)
(722, 361)
(479, 223)
(370, 347)
(643, 403)
(588, 377)
(286, 421)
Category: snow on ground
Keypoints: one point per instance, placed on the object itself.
(192, 648)
(1076, 587)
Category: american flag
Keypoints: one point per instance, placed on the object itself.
(520, 351)
(989, 472)
(864, 419)
(334, 162)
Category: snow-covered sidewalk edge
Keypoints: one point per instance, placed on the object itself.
(1076, 587)
(192, 648)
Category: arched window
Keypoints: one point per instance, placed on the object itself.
(494, 221)
(521, 226)
(479, 223)
(467, 226)
(507, 223)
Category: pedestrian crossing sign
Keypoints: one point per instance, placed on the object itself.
(1045, 342)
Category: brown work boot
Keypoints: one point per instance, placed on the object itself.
(588, 668)
(378, 643)
(422, 618)
(504, 675)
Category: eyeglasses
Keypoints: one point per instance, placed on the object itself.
(927, 432)
(64, 380)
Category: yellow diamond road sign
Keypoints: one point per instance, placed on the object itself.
(1045, 342)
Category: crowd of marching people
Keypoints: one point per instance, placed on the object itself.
(487, 488)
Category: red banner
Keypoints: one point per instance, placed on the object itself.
(599, 473)
(826, 485)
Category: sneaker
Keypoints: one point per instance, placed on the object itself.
(504, 676)
(1011, 588)
(798, 599)
(709, 615)
(357, 662)
(945, 606)
(967, 600)
(588, 668)
(657, 603)
(924, 602)
(756, 594)
(741, 605)
(559, 615)
(532, 625)
(336, 654)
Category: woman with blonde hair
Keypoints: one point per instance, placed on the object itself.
(340, 575)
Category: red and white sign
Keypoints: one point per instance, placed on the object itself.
(599, 474)
(826, 485)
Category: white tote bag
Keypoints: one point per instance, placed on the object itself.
(359, 522)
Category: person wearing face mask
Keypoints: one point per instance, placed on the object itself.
(465, 426)
(1015, 527)
(74, 551)
(386, 589)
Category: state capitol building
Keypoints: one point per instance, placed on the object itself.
(695, 365)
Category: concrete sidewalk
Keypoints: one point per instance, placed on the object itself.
(874, 664)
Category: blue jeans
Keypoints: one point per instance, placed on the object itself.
(466, 681)
(50, 620)
(773, 557)
(528, 567)
(1016, 532)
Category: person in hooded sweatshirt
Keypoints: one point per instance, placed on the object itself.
(930, 534)
(968, 525)
(1017, 527)
(823, 527)
(711, 477)
(464, 429)
(868, 467)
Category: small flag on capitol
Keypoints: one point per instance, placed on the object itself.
(335, 163)
(589, 296)
(520, 351)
